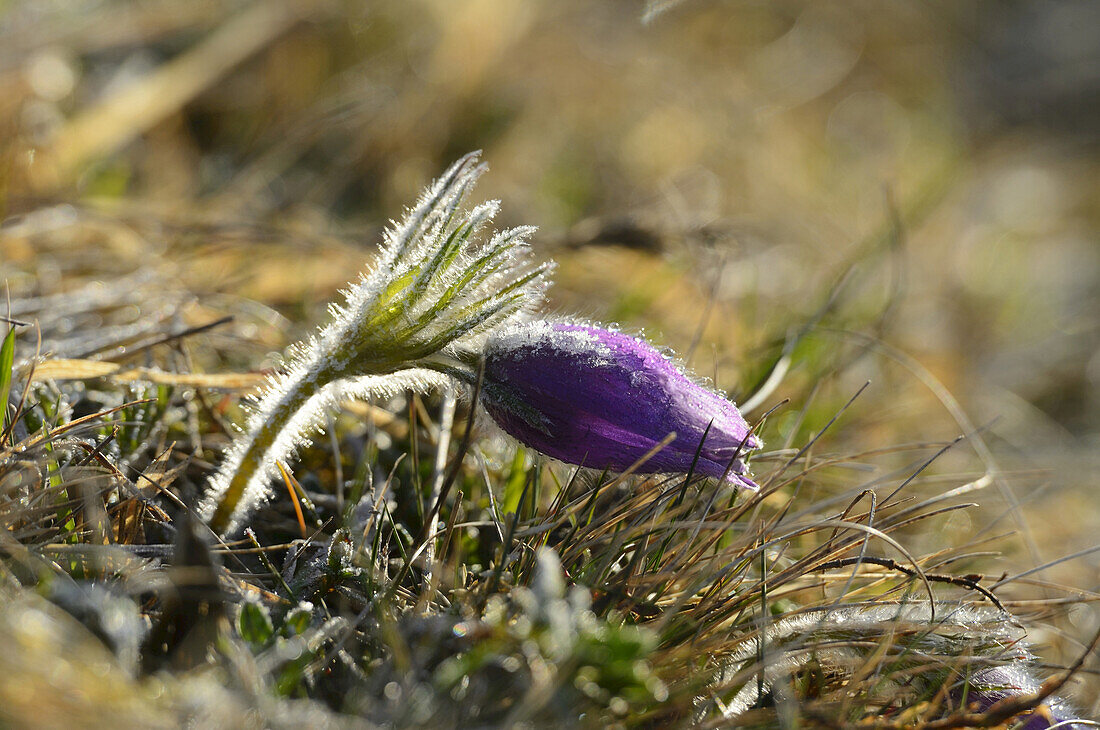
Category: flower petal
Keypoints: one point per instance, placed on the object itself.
(601, 398)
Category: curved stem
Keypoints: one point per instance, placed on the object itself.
(254, 461)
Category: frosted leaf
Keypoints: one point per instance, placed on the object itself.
(429, 302)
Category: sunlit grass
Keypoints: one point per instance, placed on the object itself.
(790, 196)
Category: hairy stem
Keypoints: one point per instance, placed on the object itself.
(255, 460)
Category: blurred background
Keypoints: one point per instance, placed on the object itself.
(833, 192)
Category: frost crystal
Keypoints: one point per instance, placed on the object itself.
(604, 399)
(430, 300)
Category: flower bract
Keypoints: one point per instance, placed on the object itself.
(435, 293)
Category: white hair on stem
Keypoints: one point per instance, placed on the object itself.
(428, 303)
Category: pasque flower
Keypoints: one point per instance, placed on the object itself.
(438, 299)
(988, 686)
(603, 399)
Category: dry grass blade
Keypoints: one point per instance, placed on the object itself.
(121, 117)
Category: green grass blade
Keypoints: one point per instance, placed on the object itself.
(7, 361)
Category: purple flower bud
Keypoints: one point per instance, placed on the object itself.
(603, 399)
(988, 686)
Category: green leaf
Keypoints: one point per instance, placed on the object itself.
(490, 260)
(255, 624)
(341, 553)
(298, 619)
(445, 254)
(517, 479)
(7, 360)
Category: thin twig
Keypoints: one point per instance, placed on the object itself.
(963, 581)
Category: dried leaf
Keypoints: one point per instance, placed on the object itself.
(61, 369)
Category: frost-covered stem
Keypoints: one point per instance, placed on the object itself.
(249, 466)
(433, 295)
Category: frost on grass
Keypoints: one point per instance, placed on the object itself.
(429, 301)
